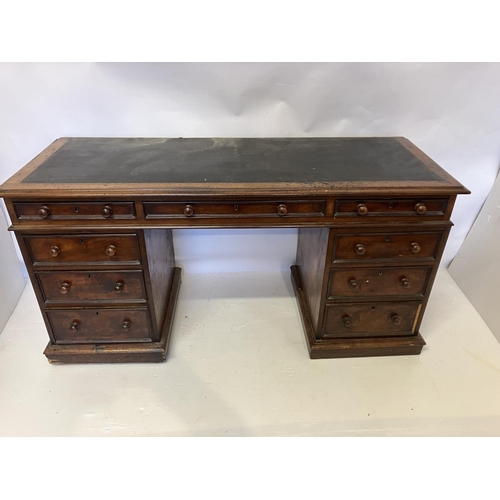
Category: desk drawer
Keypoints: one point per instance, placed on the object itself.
(235, 209)
(373, 282)
(75, 211)
(391, 208)
(105, 248)
(79, 326)
(85, 286)
(390, 245)
(377, 319)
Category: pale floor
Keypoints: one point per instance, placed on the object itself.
(238, 366)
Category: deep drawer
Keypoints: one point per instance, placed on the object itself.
(391, 208)
(80, 326)
(372, 282)
(236, 209)
(75, 211)
(366, 246)
(83, 286)
(106, 248)
(374, 319)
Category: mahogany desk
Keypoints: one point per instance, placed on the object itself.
(94, 219)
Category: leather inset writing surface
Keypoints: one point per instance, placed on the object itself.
(297, 160)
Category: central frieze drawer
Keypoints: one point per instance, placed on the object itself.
(79, 326)
(84, 286)
(373, 282)
(365, 246)
(377, 319)
(107, 248)
(159, 210)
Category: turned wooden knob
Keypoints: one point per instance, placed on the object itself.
(111, 250)
(126, 325)
(44, 212)
(64, 288)
(396, 319)
(282, 210)
(107, 211)
(74, 325)
(353, 284)
(119, 286)
(420, 208)
(415, 247)
(362, 209)
(188, 210)
(55, 251)
(405, 282)
(360, 249)
(347, 321)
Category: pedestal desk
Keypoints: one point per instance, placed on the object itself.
(94, 219)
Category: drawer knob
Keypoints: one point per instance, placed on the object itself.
(126, 325)
(119, 285)
(420, 208)
(405, 282)
(55, 251)
(111, 250)
(74, 325)
(44, 212)
(396, 319)
(347, 321)
(65, 287)
(188, 210)
(282, 210)
(360, 249)
(353, 284)
(362, 209)
(415, 247)
(107, 211)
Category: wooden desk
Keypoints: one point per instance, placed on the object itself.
(94, 220)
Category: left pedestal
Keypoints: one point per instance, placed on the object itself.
(106, 296)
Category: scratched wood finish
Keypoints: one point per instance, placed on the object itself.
(280, 208)
(359, 283)
(107, 249)
(75, 211)
(372, 319)
(79, 326)
(90, 286)
(392, 245)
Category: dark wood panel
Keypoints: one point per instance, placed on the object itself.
(312, 247)
(106, 248)
(373, 319)
(390, 245)
(88, 286)
(79, 326)
(160, 263)
(376, 282)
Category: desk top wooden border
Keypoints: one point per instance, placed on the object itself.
(15, 188)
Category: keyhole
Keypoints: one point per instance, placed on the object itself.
(388, 238)
(373, 309)
(390, 206)
(75, 209)
(380, 273)
(236, 208)
(97, 313)
(81, 241)
(90, 276)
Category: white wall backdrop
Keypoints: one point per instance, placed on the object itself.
(449, 110)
